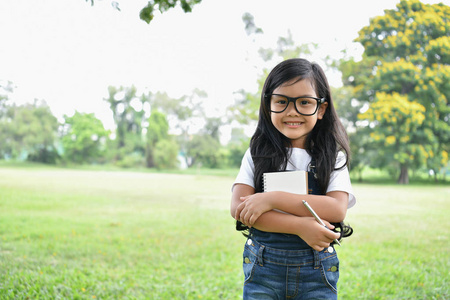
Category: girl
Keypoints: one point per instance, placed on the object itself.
(288, 254)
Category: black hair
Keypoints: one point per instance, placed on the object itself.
(271, 150)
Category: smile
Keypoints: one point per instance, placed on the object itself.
(293, 123)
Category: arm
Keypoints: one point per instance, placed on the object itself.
(331, 207)
(307, 228)
(239, 190)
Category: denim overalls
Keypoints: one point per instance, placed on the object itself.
(283, 266)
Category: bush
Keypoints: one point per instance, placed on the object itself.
(166, 154)
(132, 160)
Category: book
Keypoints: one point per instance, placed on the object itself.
(295, 182)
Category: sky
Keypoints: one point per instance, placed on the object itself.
(68, 52)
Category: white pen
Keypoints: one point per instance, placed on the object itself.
(317, 218)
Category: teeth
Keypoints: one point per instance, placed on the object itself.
(292, 124)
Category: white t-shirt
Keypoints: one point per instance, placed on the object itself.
(299, 161)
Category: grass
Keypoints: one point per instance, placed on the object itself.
(91, 234)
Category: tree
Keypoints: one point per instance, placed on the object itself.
(205, 151)
(5, 89)
(237, 146)
(29, 132)
(410, 46)
(83, 138)
(247, 107)
(130, 111)
(397, 120)
(166, 154)
(182, 113)
(157, 131)
(147, 12)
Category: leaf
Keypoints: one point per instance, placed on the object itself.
(146, 14)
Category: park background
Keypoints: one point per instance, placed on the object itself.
(119, 146)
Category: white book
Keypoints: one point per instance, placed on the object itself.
(295, 182)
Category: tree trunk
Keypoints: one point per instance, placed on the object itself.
(403, 178)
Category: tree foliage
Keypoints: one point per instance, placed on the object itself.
(29, 131)
(204, 151)
(157, 131)
(406, 56)
(246, 109)
(83, 138)
(166, 154)
(147, 13)
(397, 119)
(129, 113)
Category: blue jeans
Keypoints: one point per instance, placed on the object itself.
(289, 274)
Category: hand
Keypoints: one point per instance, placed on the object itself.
(252, 207)
(315, 235)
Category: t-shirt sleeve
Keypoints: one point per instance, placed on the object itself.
(247, 171)
(340, 180)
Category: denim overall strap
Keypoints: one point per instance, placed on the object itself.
(313, 188)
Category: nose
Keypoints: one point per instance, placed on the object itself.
(291, 110)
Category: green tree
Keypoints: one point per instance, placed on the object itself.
(182, 112)
(129, 113)
(350, 100)
(83, 138)
(166, 154)
(147, 12)
(6, 88)
(157, 131)
(29, 132)
(204, 151)
(397, 118)
(237, 146)
(410, 46)
(246, 109)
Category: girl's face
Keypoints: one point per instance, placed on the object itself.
(289, 122)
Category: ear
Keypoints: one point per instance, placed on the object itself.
(322, 110)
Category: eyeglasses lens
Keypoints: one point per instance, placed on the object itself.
(305, 106)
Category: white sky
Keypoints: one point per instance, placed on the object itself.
(67, 52)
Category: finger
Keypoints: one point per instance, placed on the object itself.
(329, 225)
(332, 235)
(240, 212)
(252, 219)
(237, 213)
(242, 216)
(320, 247)
(245, 217)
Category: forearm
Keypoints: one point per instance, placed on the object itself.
(269, 220)
(307, 228)
(331, 207)
(273, 221)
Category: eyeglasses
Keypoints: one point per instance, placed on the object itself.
(306, 105)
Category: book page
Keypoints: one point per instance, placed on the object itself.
(295, 182)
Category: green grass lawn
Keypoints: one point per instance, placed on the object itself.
(90, 234)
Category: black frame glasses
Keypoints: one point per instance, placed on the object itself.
(294, 100)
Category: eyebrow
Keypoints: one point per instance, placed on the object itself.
(307, 95)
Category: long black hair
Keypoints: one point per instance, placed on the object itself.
(271, 150)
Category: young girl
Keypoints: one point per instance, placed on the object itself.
(288, 254)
